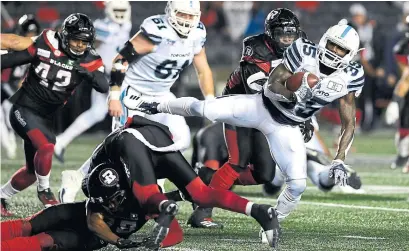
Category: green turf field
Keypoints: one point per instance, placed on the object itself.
(376, 220)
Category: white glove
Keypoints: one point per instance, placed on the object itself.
(392, 113)
(338, 172)
(304, 92)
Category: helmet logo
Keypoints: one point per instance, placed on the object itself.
(109, 177)
(72, 19)
(273, 14)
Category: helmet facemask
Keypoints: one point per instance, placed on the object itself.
(113, 203)
(182, 20)
(285, 36)
(118, 11)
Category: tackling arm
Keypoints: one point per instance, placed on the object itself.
(347, 112)
(10, 60)
(14, 42)
(204, 74)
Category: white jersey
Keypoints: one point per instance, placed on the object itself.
(301, 56)
(155, 73)
(112, 37)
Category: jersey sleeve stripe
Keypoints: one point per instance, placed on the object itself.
(93, 65)
(32, 50)
(358, 80)
(297, 53)
(295, 61)
(154, 38)
(320, 101)
(355, 86)
(287, 62)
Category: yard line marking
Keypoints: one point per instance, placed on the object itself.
(363, 237)
(255, 199)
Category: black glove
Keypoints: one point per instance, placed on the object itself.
(122, 243)
(84, 73)
(117, 76)
(307, 130)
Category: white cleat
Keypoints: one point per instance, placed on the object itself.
(71, 181)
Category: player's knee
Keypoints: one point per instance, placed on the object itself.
(297, 187)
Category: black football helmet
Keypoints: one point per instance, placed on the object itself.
(280, 25)
(77, 26)
(106, 186)
(28, 24)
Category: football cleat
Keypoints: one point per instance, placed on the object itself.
(47, 197)
(201, 218)
(266, 216)
(133, 102)
(399, 162)
(353, 179)
(70, 185)
(4, 209)
(59, 154)
(162, 225)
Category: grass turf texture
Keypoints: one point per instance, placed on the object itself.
(319, 223)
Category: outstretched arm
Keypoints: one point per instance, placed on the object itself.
(347, 112)
(12, 59)
(15, 42)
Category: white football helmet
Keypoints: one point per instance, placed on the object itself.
(344, 36)
(183, 25)
(118, 11)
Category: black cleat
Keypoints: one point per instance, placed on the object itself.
(266, 216)
(4, 209)
(47, 197)
(354, 181)
(202, 218)
(399, 162)
(162, 225)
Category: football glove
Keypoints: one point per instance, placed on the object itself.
(122, 243)
(84, 73)
(307, 130)
(338, 172)
(305, 91)
(133, 102)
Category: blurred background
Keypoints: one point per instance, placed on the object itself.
(379, 24)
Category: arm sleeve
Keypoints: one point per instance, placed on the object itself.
(357, 83)
(10, 60)
(292, 56)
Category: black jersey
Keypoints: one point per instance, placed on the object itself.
(257, 61)
(52, 76)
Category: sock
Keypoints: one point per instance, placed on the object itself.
(7, 191)
(21, 244)
(212, 164)
(286, 203)
(175, 235)
(246, 178)
(206, 196)
(42, 163)
(148, 196)
(14, 228)
(161, 184)
(186, 106)
(20, 180)
(224, 177)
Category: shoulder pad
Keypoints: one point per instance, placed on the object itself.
(93, 61)
(153, 27)
(48, 38)
(356, 77)
(255, 50)
(295, 53)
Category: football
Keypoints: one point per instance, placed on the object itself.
(294, 82)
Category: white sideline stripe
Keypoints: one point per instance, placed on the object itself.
(353, 206)
(324, 204)
(363, 237)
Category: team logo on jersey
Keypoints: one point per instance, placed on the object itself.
(248, 51)
(43, 53)
(109, 177)
(70, 62)
(334, 86)
(65, 66)
(57, 53)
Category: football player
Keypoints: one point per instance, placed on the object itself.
(276, 111)
(60, 61)
(111, 33)
(261, 54)
(27, 26)
(109, 216)
(399, 107)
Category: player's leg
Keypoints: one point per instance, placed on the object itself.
(264, 165)
(178, 170)
(402, 140)
(95, 114)
(37, 132)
